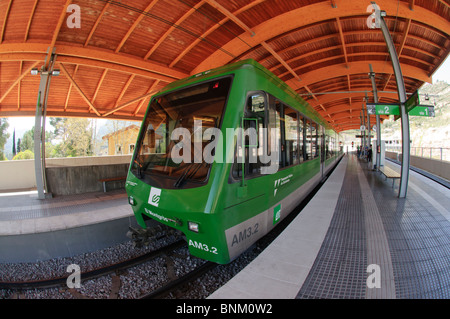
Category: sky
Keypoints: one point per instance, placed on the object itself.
(443, 73)
(23, 124)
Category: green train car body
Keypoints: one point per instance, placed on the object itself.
(223, 207)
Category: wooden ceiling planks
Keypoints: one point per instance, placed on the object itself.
(127, 50)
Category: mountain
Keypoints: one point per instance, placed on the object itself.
(426, 131)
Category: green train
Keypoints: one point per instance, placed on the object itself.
(223, 156)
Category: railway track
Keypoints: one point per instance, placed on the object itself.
(180, 282)
(61, 281)
(175, 282)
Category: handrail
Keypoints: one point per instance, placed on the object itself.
(437, 153)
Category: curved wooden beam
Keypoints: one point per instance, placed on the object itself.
(338, 70)
(21, 76)
(93, 57)
(135, 24)
(315, 13)
(172, 28)
(5, 20)
(329, 98)
(77, 87)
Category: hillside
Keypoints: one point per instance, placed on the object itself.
(426, 131)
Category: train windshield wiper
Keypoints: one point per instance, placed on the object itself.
(188, 172)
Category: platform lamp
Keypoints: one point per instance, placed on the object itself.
(36, 71)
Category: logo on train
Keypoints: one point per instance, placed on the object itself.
(153, 198)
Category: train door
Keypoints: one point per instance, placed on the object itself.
(322, 150)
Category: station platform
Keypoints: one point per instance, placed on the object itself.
(32, 229)
(357, 240)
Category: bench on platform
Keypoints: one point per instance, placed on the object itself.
(389, 173)
(105, 180)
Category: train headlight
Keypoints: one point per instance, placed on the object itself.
(131, 201)
(193, 227)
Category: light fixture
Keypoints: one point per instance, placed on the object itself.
(193, 227)
(56, 72)
(131, 201)
(34, 71)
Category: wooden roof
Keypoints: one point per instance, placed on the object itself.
(125, 51)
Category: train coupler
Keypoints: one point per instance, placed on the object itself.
(142, 237)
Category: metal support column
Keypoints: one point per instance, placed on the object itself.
(365, 129)
(403, 115)
(39, 128)
(369, 128)
(378, 125)
(361, 131)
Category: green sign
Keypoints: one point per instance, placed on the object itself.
(412, 102)
(394, 109)
(422, 110)
(276, 214)
(383, 109)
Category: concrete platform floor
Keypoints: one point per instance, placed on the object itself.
(357, 240)
(33, 229)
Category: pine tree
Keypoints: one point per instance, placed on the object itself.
(3, 136)
(14, 143)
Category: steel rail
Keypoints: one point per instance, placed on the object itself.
(55, 282)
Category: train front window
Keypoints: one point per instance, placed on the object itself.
(175, 134)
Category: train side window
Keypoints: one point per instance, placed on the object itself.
(314, 140)
(291, 136)
(280, 139)
(255, 110)
(308, 140)
(288, 126)
(256, 105)
(322, 143)
(327, 147)
(302, 138)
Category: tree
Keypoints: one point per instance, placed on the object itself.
(3, 136)
(27, 154)
(14, 143)
(27, 142)
(75, 135)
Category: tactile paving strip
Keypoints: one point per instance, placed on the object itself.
(339, 270)
(419, 241)
(417, 234)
